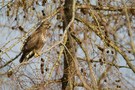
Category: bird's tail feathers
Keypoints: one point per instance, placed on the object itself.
(23, 58)
(26, 57)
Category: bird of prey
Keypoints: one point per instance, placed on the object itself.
(35, 42)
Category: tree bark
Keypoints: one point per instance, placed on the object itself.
(67, 80)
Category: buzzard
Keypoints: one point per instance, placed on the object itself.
(35, 42)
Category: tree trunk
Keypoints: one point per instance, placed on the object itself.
(67, 80)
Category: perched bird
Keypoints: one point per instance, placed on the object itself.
(35, 42)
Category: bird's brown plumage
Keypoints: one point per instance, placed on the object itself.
(35, 42)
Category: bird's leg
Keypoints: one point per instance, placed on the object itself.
(36, 54)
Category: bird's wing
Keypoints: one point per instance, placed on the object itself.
(31, 42)
(40, 43)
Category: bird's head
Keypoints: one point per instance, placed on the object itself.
(46, 25)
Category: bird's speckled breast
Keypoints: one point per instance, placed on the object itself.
(43, 37)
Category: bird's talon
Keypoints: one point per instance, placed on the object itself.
(37, 54)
